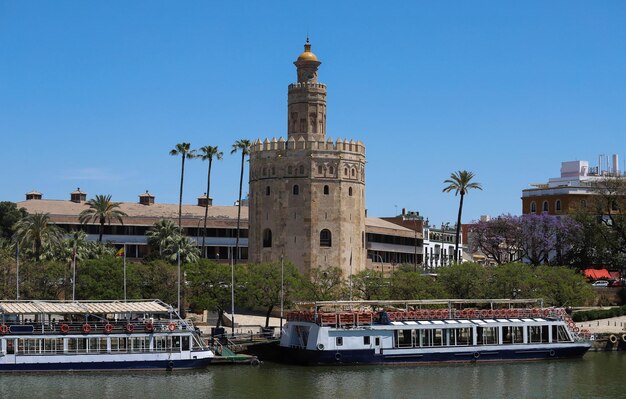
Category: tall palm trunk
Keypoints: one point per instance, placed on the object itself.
(101, 230)
(180, 196)
(458, 229)
(206, 209)
(243, 154)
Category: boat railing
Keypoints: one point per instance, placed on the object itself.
(96, 327)
(365, 317)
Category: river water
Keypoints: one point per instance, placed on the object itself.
(597, 375)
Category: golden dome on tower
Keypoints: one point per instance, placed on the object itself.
(307, 55)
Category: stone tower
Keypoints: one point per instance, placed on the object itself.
(307, 194)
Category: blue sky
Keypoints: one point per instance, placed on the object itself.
(95, 94)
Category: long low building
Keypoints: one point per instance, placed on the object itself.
(387, 244)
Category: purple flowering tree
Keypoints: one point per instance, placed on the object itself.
(498, 239)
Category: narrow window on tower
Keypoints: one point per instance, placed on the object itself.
(267, 238)
(326, 238)
(301, 169)
(557, 205)
(533, 207)
(545, 206)
(296, 189)
(319, 170)
(289, 170)
(331, 170)
(350, 191)
(267, 190)
(326, 190)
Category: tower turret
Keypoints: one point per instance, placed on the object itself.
(307, 100)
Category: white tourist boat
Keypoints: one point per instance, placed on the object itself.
(97, 335)
(366, 332)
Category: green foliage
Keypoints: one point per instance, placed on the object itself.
(99, 279)
(36, 231)
(102, 210)
(369, 285)
(261, 285)
(412, 285)
(44, 280)
(464, 280)
(9, 215)
(324, 284)
(599, 314)
(562, 286)
(169, 240)
(208, 285)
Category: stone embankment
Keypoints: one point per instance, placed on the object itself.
(607, 334)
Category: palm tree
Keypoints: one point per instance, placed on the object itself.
(184, 150)
(162, 233)
(460, 182)
(35, 231)
(208, 152)
(186, 247)
(242, 145)
(102, 209)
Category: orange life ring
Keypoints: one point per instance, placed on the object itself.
(546, 312)
(490, 313)
(576, 329)
(65, 328)
(130, 327)
(463, 313)
(108, 328)
(4, 329)
(86, 328)
(484, 313)
(536, 312)
(171, 326)
(411, 315)
(444, 314)
(149, 326)
(471, 313)
(438, 314)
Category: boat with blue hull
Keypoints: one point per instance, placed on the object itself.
(97, 335)
(429, 331)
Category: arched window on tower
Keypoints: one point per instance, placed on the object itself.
(289, 170)
(267, 238)
(353, 172)
(350, 191)
(557, 206)
(533, 207)
(320, 170)
(296, 189)
(326, 239)
(545, 206)
(301, 169)
(345, 171)
(267, 190)
(331, 170)
(326, 190)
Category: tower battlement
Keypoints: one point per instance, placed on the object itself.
(307, 85)
(340, 145)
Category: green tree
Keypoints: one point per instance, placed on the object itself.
(152, 280)
(100, 279)
(10, 214)
(242, 146)
(43, 280)
(370, 285)
(324, 284)
(460, 182)
(463, 280)
(208, 153)
(562, 286)
(102, 210)
(513, 280)
(185, 152)
(262, 286)
(161, 234)
(36, 230)
(208, 287)
(184, 247)
(411, 285)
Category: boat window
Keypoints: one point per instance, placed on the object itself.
(537, 334)
(438, 337)
(559, 334)
(425, 337)
(10, 347)
(93, 344)
(377, 341)
(487, 335)
(366, 340)
(461, 336)
(186, 346)
(339, 341)
(403, 338)
(512, 335)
